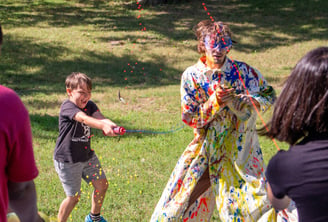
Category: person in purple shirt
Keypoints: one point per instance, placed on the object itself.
(300, 118)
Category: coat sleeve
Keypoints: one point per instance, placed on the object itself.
(198, 107)
(258, 88)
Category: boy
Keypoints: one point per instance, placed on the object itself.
(73, 157)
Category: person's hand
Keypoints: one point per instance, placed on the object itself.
(108, 127)
(43, 217)
(224, 95)
(240, 101)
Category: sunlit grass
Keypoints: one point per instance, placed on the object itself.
(140, 52)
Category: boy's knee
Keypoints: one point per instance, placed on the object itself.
(74, 200)
(103, 186)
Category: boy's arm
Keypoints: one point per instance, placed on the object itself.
(102, 124)
(99, 115)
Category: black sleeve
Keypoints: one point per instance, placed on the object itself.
(276, 175)
(92, 107)
(69, 110)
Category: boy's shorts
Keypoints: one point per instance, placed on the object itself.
(70, 174)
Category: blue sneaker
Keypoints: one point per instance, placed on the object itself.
(102, 219)
(88, 219)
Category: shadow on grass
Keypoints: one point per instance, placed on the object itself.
(303, 20)
(48, 73)
(44, 126)
(297, 21)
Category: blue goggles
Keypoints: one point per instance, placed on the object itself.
(218, 43)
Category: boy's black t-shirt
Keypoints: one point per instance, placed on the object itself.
(302, 174)
(73, 142)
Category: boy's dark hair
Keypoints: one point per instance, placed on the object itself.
(0, 35)
(207, 27)
(76, 79)
(302, 107)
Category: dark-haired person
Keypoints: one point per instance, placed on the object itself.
(17, 164)
(223, 165)
(300, 118)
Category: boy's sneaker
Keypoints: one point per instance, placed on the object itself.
(102, 219)
(88, 219)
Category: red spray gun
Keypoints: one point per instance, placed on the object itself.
(119, 130)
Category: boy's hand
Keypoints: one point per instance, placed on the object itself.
(108, 131)
(108, 127)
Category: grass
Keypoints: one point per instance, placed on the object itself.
(141, 52)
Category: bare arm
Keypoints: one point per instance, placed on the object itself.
(97, 121)
(99, 115)
(22, 199)
(278, 204)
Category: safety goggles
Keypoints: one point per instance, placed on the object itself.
(218, 43)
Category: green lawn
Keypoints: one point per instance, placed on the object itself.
(141, 52)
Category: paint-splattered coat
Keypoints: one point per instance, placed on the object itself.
(226, 142)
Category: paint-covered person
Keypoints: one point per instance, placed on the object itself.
(223, 165)
(300, 118)
(73, 157)
(17, 164)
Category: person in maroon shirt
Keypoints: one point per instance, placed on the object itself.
(300, 118)
(17, 164)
